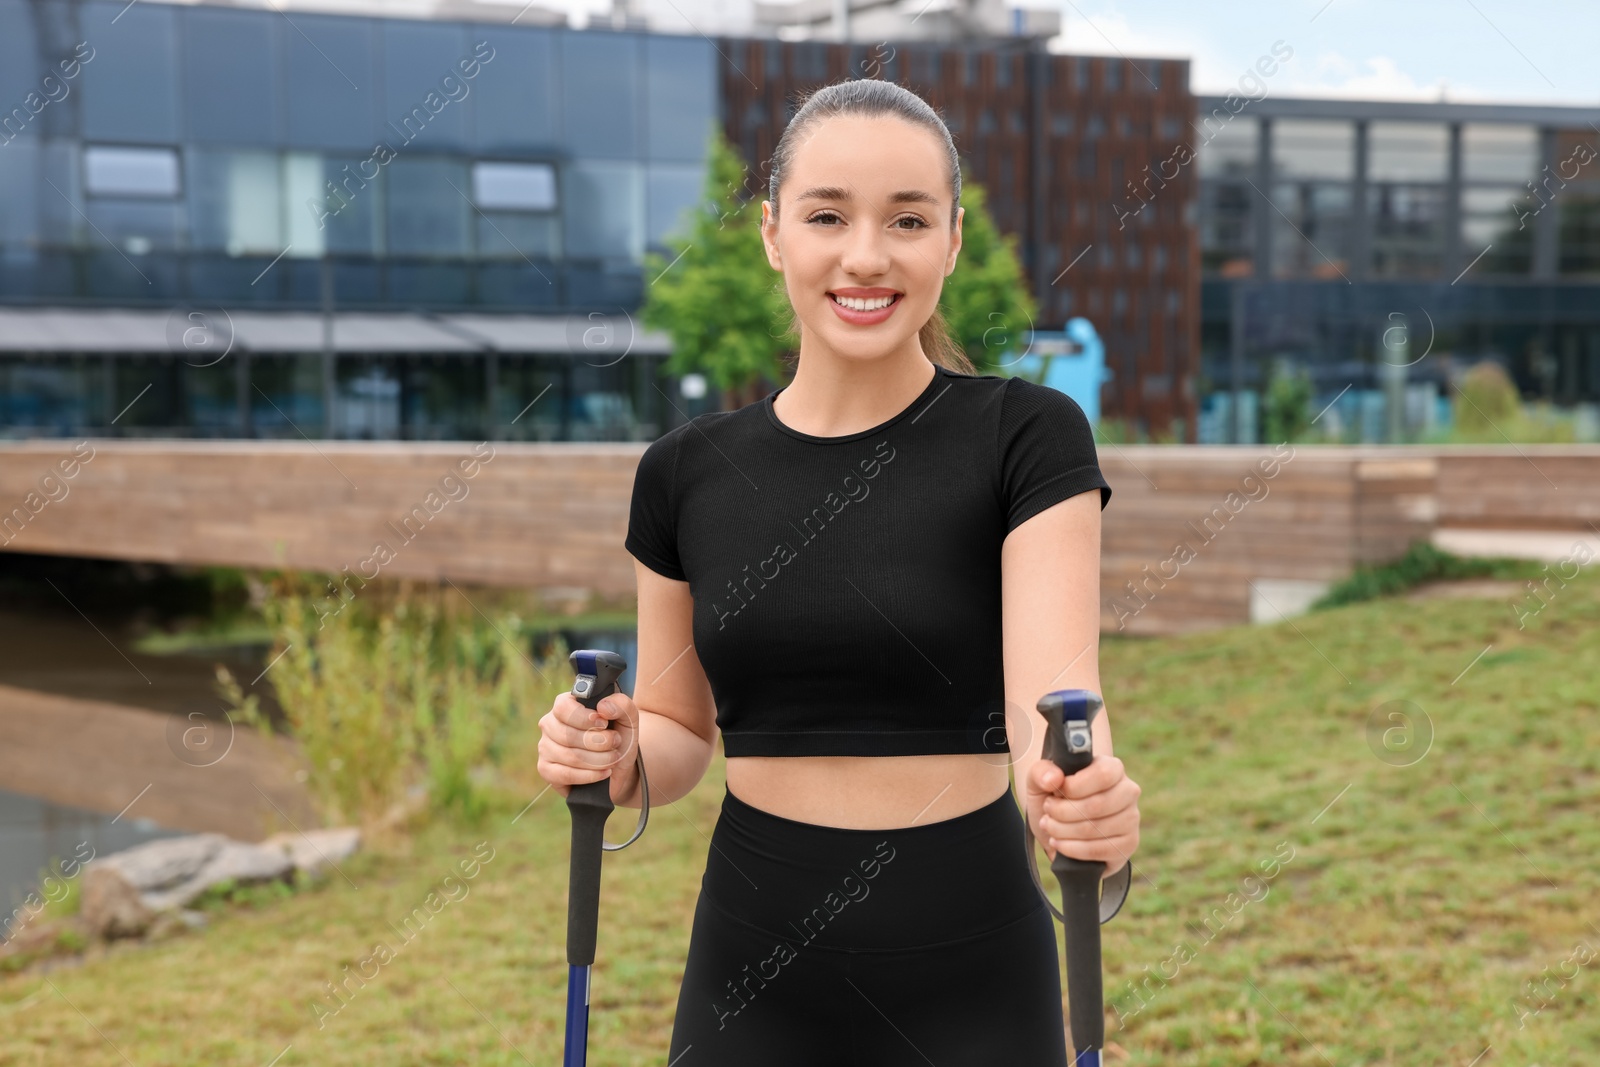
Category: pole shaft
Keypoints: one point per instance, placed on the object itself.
(577, 1052)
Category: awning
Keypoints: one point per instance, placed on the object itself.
(190, 331)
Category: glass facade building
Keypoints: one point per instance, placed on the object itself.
(1332, 230)
(238, 161)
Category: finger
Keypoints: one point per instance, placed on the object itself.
(1102, 773)
(594, 739)
(1044, 777)
(568, 710)
(617, 708)
(561, 775)
(1123, 823)
(577, 757)
(1121, 796)
(1108, 850)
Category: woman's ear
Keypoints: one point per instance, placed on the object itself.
(955, 243)
(769, 236)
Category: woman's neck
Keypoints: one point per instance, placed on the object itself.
(833, 397)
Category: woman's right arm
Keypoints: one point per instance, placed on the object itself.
(671, 715)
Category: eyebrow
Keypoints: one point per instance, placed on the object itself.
(834, 192)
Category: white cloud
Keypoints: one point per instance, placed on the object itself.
(1333, 74)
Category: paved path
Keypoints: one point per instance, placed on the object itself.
(184, 774)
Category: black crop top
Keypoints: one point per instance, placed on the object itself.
(847, 589)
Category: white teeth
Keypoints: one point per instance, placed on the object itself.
(858, 304)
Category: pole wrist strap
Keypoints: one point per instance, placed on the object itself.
(1113, 890)
(644, 809)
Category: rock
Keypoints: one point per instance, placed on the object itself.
(164, 862)
(111, 905)
(311, 850)
(235, 862)
(124, 892)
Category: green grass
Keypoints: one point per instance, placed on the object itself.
(1418, 901)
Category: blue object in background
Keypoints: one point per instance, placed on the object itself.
(1074, 362)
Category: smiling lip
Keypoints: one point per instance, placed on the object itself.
(864, 294)
(864, 318)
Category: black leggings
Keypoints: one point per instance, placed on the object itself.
(815, 946)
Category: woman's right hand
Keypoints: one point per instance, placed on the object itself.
(577, 745)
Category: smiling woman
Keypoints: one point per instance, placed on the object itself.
(856, 691)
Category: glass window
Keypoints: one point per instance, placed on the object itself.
(1313, 148)
(318, 220)
(514, 186)
(426, 216)
(1227, 147)
(1113, 75)
(135, 226)
(1311, 237)
(366, 403)
(19, 207)
(1494, 225)
(19, 72)
(1226, 227)
(130, 87)
(518, 235)
(49, 396)
(235, 203)
(1580, 233)
(423, 87)
(605, 211)
(600, 93)
(286, 396)
(330, 84)
(230, 86)
(680, 96)
(1408, 152)
(513, 101)
(109, 171)
(1407, 229)
(1498, 152)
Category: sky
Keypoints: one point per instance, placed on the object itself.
(1506, 51)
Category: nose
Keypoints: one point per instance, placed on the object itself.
(866, 251)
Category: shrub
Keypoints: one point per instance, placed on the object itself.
(1488, 400)
(1421, 563)
(393, 693)
(1286, 414)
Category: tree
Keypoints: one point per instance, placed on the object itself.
(985, 301)
(717, 298)
(1286, 415)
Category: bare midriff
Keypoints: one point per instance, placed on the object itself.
(869, 792)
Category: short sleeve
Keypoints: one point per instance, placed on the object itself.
(652, 519)
(1047, 451)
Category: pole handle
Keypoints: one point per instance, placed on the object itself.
(1069, 744)
(590, 805)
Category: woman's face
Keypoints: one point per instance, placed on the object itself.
(865, 216)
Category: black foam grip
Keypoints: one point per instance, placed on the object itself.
(590, 805)
(1080, 904)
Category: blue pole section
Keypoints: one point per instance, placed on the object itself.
(1089, 1057)
(577, 1053)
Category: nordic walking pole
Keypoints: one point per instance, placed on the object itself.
(1069, 744)
(590, 805)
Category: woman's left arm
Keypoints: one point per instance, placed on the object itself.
(1050, 585)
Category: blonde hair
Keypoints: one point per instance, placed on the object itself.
(872, 97)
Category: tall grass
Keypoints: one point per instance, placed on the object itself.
(415, 691)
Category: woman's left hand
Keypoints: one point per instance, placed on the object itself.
(1090, 815)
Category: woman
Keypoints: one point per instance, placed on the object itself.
(825, 578)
